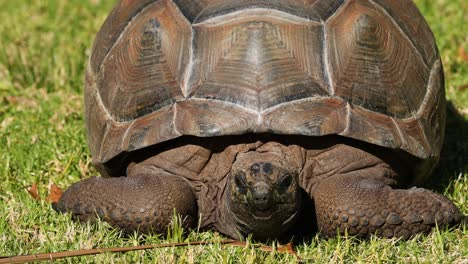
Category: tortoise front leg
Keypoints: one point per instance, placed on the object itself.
(143, 202)
(364, 206)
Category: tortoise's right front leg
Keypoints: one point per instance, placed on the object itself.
(143, 202)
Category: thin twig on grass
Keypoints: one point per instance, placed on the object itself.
(289, 249)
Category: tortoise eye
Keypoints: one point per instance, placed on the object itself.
(285, 182)
(241, 183)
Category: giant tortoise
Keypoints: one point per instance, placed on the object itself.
(257, 117)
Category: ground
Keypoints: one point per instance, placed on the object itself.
(43, 49)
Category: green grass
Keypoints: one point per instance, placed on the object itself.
(44, 46)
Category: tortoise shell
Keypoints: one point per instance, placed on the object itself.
(363, 69)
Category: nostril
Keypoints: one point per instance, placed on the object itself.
(267, 168)
(255, 168)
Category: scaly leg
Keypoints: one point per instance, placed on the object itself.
(364, 206)
(141, 202)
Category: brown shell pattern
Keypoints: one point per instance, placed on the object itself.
(364, 69)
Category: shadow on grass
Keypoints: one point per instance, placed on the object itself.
(454, 156)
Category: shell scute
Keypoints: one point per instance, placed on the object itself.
(376, 128)
(205, 118)
(373, 63)
(321, 116)
(198, 11)
(116, 22)
(258, 64)
(143, 72)
(410, 20)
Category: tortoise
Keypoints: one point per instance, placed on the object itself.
(262, 117)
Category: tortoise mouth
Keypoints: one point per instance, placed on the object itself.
(265, 224)
(262, 215)
(270, 212)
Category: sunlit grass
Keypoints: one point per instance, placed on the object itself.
(43, 49)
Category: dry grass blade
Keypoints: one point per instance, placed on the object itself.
(463, 87)
(85, 252)
(54, 194)
(288, 248)
(462, 54)
(32, 190)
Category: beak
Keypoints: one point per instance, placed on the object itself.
(262, 196)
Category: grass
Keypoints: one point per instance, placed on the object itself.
(43, 49)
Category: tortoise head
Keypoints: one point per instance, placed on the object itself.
(263, 194)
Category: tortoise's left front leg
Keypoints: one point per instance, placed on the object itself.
(364, 205)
